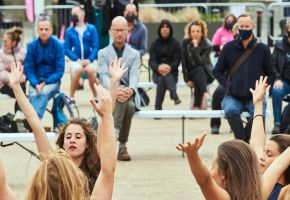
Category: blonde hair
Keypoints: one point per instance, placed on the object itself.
(58, 178)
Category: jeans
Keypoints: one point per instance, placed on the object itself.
(40, 100)
(277, 98)
(233, 108)
(123, 114)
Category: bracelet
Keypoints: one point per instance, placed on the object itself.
(257, 116)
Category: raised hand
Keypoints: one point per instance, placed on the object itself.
(191, 148)
(116, 70)
(260, 90)
(15, 75)
(104, 105)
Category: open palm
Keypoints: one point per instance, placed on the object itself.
(15, 75)
(191, 148)
(260, 89)
(116, 70)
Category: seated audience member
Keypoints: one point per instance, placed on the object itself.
(237, 70)
(165, 57)
(81, 46)
(80, 144)
(268, 151)
(281, 68)
(44, 66)
(223, 35)
(137, 35)
(11, 53)
(128, 99)
(196, 64)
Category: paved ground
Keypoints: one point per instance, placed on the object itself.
(157, 170)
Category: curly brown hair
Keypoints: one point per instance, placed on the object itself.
(91, 161)
(200, 23)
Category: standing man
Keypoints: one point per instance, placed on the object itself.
(165, 57)
(81, 46)
(44, 66)
(281, 66)
(137, 35)
(128, 100)
(258, 63)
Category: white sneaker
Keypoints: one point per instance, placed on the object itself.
(19, 116)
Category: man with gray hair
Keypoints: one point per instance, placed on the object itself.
(44, 66)
(281, 67)
(242, 62)
(128, 100)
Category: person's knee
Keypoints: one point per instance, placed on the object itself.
(77, 71)
(90, 72)
(230, 107)
(277, 92)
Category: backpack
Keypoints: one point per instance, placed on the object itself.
(285, 120)
(61, 101)
(7, 124)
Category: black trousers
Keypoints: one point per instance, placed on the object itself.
(6, 89)
(217, 98)
(164, 83)
(199, 78)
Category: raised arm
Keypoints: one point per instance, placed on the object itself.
(41, 139)
(208, 186)
(116, 73)
(103, 188)
(258, 138)
(274, 172)
(5, 191)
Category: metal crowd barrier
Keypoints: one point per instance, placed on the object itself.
(61, 17)
(215, 12)
(277, 16)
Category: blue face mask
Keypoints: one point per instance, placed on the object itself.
(245, 34)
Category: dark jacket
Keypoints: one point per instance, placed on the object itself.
(278, 57)
(257, 64)
(192, 58)
(165, 50)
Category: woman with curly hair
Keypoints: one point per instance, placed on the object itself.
(78, 139)
(196, 63)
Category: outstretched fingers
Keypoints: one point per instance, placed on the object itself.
(103, 105)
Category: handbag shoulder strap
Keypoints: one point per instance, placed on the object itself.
(240, 60)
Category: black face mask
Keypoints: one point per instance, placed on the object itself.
(130, 18)
(229, 25)
(74, 19)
